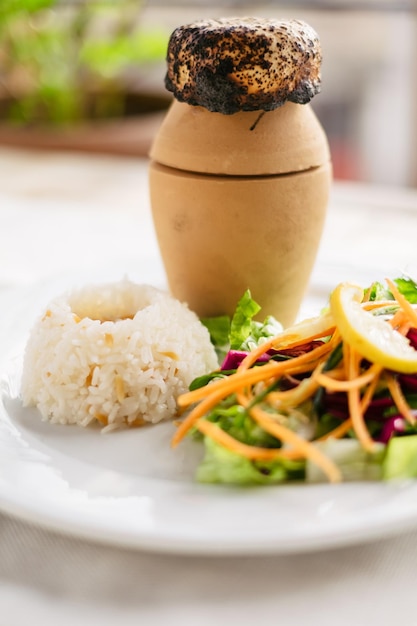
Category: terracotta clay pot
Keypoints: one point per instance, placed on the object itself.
(239, 202)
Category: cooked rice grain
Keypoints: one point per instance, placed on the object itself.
(118, 353)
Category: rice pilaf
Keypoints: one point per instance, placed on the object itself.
(118, 353)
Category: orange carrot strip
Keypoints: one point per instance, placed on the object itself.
(247, 377)
(216, 393)
(237, 381)
(287, 436)
(360, 381)
(274, 342)
(400, 322)
(369, 393)
(311, 357)
(199, 411)
(295, 396)
(252, 453)
(229, 384)
(303, 390)
(399, 399)
(212, 394)
(301, 448)
(337, 433)
(257, 352)
(404, 328)
(354, 401)
(255, 453)
(397, 319)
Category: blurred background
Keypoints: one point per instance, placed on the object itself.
(89, 75)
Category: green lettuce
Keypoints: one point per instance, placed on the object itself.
(219, 329)
(236, 421)
(241, 332)
(378, 291)
(408, 288)
(222, 466)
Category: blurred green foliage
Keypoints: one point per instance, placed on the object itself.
(55, 55)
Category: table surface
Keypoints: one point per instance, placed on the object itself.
(71, 213)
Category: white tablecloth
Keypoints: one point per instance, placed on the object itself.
(62, 214)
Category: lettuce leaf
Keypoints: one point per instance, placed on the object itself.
(378, 291)
(236, 421)
(219, 329)
(247, 333)
(408, 288)
(222, 466)
(241, 325)
(241, 332)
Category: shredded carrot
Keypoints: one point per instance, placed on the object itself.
(253, 453)
(281, 341)
(287, 436)
(332, 384)
(225, 385)
(404, 328)
(295, 396)
(399, 400)
(212, 394)
(370, 390)
(337, 433)
(400, 322)
(199, 411)
(240, 382)
(354, 402)
(397, 320)
(243, 378)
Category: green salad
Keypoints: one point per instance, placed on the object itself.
(332, 398)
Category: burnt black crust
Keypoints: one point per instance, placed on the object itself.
(226, 66)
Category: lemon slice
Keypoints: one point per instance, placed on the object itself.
(371, 336)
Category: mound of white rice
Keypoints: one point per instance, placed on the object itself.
(118, 353)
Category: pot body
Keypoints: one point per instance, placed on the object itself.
(222, 230)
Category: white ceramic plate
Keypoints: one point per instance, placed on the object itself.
(130, 488)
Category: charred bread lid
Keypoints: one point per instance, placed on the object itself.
(243, 64)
